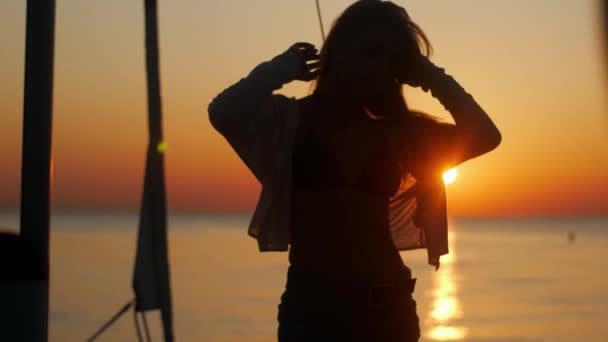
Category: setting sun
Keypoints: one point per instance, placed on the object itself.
(449, 176)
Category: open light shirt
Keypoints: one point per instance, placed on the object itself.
(261, 127)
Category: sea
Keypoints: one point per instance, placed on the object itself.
(505, 280)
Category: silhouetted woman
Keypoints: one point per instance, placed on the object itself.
(349, 175)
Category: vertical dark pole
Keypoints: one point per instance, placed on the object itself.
(152, 72)
(605, 28)
(36, 154)
(604, 38)
(152, 244)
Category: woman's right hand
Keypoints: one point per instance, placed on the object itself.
(300, 62)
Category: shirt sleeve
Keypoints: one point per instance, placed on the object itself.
(247, 114)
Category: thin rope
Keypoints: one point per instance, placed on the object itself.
(137, 329)
(320, 20)
(146, 330)
(111, 321)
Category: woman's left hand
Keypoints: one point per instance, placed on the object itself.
(420, 73)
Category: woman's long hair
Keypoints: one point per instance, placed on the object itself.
(368, 52)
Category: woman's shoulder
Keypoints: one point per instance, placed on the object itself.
(415, 132)
(411, 127)
(420, 120)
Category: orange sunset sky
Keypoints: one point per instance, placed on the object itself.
(535, 66)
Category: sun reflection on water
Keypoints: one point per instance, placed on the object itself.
(446, 307)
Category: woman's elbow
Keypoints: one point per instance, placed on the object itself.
(491, 139)
(495, 138)
(216, 117)
(483, 141)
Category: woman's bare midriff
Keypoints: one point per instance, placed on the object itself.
(343, 230)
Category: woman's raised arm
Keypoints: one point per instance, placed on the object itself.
(474, 132)
(246, 113)
(230, 109)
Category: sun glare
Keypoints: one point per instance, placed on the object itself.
(449, 176)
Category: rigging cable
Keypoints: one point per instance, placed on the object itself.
(320, 20)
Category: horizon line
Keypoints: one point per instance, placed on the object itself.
(126, 211)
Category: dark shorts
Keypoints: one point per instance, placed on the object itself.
(378, 313)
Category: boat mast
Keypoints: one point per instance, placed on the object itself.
(36, 169)
(151, 278)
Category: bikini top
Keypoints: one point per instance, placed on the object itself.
(315, 168)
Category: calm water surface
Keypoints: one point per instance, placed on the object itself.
(504, 280)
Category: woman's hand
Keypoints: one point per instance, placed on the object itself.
(420, 73)
(300, 62)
